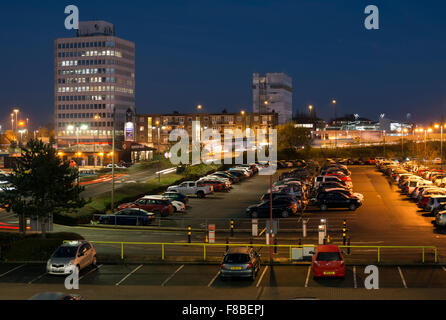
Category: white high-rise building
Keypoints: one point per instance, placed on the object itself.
(94, 76)
(273, 92)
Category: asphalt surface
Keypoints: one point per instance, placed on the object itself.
(188, 281)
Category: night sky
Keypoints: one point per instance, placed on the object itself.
(204, 52)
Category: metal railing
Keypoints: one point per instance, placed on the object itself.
(206, 246)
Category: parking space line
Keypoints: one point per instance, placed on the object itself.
(308, 277)
(355, 283)
(39, 277)
(261, 277)
(402, 277)
(7, 272)
(213, 279)
(90, 271)
(172, 275)
(132, 272)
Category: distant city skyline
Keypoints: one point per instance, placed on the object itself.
(190, 53)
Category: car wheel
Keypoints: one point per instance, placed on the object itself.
(94, 262)
(285, 214)
(352, 207)
(200, 194)
(323, 207)
(254, 214)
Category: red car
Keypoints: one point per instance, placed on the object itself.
(218, 185)
(155, 205)
(328, 262)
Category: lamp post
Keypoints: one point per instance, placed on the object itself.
(310, 108)
(159, 147)
(96, 117)
(16, 111)
(113, 161)
(441, 142)
(334, 122)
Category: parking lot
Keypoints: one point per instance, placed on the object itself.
(208, 276)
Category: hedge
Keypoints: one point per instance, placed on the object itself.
(32, 247)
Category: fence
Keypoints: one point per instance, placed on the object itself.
(286, 249)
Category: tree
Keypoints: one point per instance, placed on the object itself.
(291, 138)
(40, 184)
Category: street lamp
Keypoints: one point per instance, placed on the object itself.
(159, 151)
(310, 108)
(96, 117)
(16, 111)
(334, 122)
(441, 142)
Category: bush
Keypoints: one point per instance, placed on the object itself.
(31, 247)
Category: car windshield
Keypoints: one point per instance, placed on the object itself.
(328, 256)
(236, 258)
(65, 252)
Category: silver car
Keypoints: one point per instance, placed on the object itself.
(240, 262)
(440, 219)
(71, 256)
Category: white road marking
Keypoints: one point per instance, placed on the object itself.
(39, 277)
(213, 279)
(355, 283)
(261, 277)
(7, 272)
(134, 270)
(308, 277)
(402, 277)
(172, 275)
(92, 270)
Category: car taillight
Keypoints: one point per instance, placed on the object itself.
(223, 266)
(250, 265)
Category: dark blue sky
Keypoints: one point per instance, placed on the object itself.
(191, 52)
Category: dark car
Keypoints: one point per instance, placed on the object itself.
(177, 196)
(238, 174)
(227, 175)
(240, 262)
(334, 184)
(282, 207)
(327, 200)
(277, 195)
(129, 216)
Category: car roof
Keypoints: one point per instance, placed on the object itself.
(155, 196)
(75, 243)
(328, 248)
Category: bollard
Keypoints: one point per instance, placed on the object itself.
(227, 242)
(344, 236)
(348, 243)
(232, 227)
(304, 228)
(189, 233)
(328, 239)
(300, 242)
(325, 241)
(206, 240)
(250, 242)
(275, 244)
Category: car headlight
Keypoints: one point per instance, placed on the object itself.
(48, 263)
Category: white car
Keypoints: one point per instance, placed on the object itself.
(440, 219)
(109, 166)
(71, 256)
(191, 187)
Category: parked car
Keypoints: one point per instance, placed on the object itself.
(129, 216)
(325, 200)
(440, 219)
(348, 193)
(177, 196)
(434, 202)
(240, 262)
(56, 296)
(281, 207)
(155, 204)
(218, 186)
(71, 256)
(178, 206)
(328, 261)
(191, 188)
